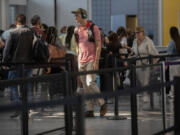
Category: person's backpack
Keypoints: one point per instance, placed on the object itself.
(91, 37)
(40, 50)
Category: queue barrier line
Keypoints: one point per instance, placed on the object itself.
(172, 63)
(64, 58)
(46, 78)
(74, 99)
(100, 95)
(32, 63)
(171, 129)
(150, 57)
(21, 80)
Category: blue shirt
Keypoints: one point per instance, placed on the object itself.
(5, 35)
(171, 50)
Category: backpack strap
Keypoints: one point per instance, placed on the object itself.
(91, 37)
(76, 35)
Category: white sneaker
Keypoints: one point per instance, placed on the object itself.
(170, 96)
(146, 99)
(80, 90)
(6, 92)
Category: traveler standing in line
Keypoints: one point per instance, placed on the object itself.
(143, 46)
(5, 36)
(121, 31)
(6, 33)
(37, 26)
(71, 53)
(174, 49)
(1, 43)
(56, 50)
(62, 35)
(18, 49)
(89, 49)
(38, 31)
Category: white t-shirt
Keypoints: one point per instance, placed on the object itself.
(123, 41)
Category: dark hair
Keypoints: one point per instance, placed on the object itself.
(110, 32)
(113, 37)
(70, 32)
(63, 29)
(35, 19)
(121, 31)
(1, 32)
(12, 26)
(21, 18)
(174, 33)
(45, 28)
(51, 35)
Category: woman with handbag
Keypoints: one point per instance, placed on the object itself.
(56, 51)
(143, 47)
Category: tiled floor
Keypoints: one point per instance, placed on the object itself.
(149, 120)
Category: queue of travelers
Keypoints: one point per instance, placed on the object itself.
(87, 45)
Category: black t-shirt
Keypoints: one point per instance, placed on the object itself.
(114, 48)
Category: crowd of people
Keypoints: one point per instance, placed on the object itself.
(86, 44)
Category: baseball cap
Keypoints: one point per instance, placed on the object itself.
(79, 11)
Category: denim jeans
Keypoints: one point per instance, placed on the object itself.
(15, 98)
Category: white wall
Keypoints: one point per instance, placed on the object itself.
(17, 2)
(4, 11)
(124, 7)
(64, 8)
(116, 21)
(44, 8)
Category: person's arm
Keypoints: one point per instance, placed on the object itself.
(98, 47)
(1, 43)
(133, 48)
(122, 57)
(153, 51)
(98, 52)
(58, 43)
(170, 48)
(7, 50)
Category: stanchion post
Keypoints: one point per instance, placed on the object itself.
(134, 123)
(151, 94)
(116, 104)
(70, 92)
(176, 105)
(80, 128)
(24, 114)
(163, 95)
(67, 108)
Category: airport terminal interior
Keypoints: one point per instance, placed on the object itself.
(89, 67)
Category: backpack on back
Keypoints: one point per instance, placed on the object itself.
(91, 37)
(40, 50)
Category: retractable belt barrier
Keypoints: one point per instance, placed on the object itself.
(74, 99)
(78, 100)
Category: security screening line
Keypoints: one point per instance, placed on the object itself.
(17, 81)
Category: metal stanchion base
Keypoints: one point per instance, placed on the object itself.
(117, 118)
(50, 131)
